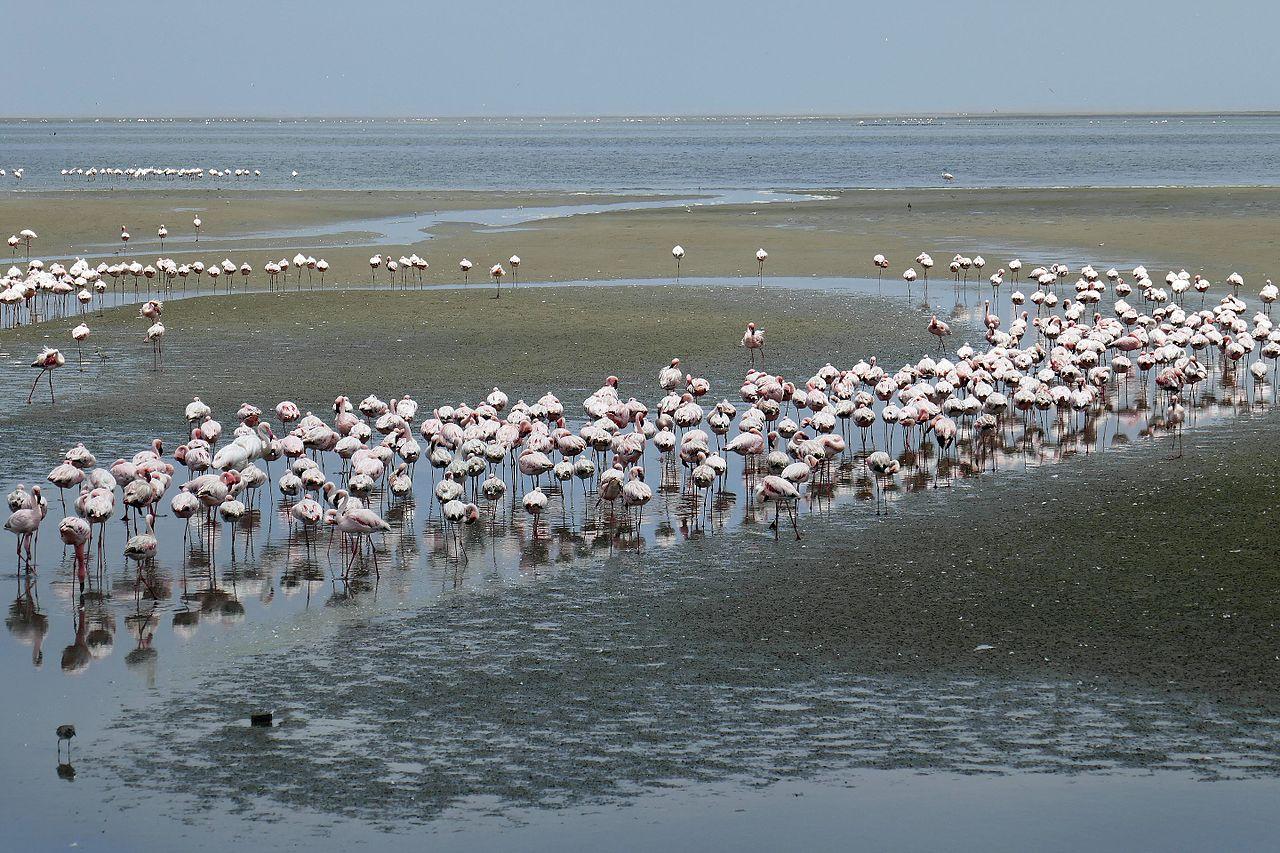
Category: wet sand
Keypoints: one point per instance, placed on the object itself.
(1214, 230)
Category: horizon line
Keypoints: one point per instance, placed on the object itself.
(811, 116)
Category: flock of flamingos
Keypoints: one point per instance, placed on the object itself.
(1049, 377)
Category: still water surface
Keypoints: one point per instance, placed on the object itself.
(658, 153)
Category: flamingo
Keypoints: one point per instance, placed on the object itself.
(80, 334)
(25, 524)
(155, 336)
(465, 266)
(753, 339)
(497, 272)
(881, 264)
(884, 467)
(142, 548)
(677, 252)
(360, 522)
(65, 476)
(779, 492)
(636, 493)
(535, 503)
(514, 260)
(197, 223)
(939, 328)
(75, 531)
(48, 361)
(761, 257)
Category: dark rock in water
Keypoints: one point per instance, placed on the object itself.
(186, 617)
(262, 720)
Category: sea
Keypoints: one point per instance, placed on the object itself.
(639, 154)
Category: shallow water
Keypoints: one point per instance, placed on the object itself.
(486, 688)
(410, 230)
(679, 153)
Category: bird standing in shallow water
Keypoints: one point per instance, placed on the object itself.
(939, 329)
(497, 272)
(753, 339)
(777, 491)
(48, 361)
(66, 732)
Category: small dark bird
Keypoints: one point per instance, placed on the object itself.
(66, 732)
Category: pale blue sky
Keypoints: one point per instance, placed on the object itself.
(566, 57)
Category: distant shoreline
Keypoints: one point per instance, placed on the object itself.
(707, 117)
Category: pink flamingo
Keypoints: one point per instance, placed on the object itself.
(75, 531)
(779, 492)
(753, 339)
(48, 361)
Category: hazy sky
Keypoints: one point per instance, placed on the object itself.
(564, 57)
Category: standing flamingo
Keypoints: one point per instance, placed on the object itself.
(514, 260)
(48, 361)
(497, 272)
(80, 334)
(939, 329)
(881, 264)
(677, 252)
(25, 524)
(465, 266)
(779, 491)
(75, 531)
(197, 223)
(761, 257)
(155, 336)
(753, 339)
